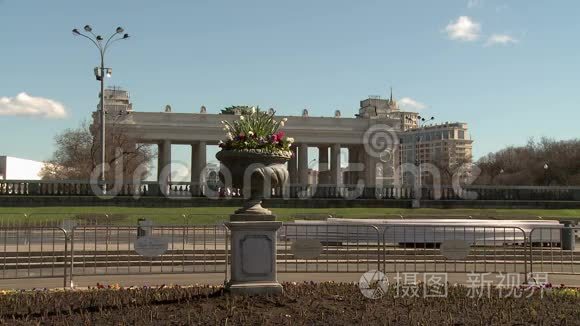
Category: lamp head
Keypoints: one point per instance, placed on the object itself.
(88, 28)
(76, 32)
(99, 38)
(119, 30)
(98, 75)
(125, 36)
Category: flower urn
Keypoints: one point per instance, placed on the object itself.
(254, 171)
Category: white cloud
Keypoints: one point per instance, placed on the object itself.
(500, 39)
(474, 3)
(407, 103)
(26, 105)
(464, 29)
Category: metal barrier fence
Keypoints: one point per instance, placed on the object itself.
(12, 219)
(59, 219)
(49, 252)
(56, 219)
(553, 250)
(454, 249)
(106, 250)
(307, 247)
(34, 252)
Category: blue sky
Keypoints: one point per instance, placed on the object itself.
(507, 68)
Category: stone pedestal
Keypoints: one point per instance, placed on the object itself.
(253, 252)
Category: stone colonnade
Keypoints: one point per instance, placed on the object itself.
(361, 166)
(198, 160)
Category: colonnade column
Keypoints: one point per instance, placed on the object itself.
(164, 160)
(323, 166)
(335, 170)
(323, 158)
(198, 163)
(354, 163)
(293, 166)
(303, 164)
(370, 170)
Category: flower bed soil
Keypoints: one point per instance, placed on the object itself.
(301, 304)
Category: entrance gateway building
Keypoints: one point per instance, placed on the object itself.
(392, 136)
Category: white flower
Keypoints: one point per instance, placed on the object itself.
(285, 119)
(290, 140)
(250, 133)
(229, 136)
(241, 117)
(282, 123)
(223, 122)
(226, 127)
(220, 142)
(253, 109)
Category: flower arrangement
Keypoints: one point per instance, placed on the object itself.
(257, 131)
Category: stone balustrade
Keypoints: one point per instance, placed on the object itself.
(188, 189)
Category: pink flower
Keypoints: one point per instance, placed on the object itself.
(277, 137)
(280, 135)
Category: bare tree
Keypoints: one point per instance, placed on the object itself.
(490, 169)
(447, 166)
(78, 151)
(525, 165)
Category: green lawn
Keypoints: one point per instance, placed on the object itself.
(210, 215)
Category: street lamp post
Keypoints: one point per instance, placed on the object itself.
(100, 73)
(546, 180)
